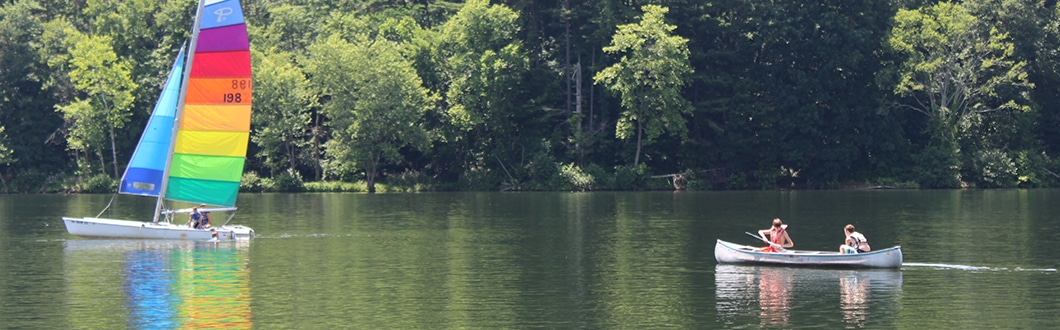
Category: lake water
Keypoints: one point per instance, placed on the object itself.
(973, 259)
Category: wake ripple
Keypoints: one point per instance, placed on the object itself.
(286, 235)
(976, 268)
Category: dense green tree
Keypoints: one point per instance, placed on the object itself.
(789, 95)
(375, 102)
(1047, 83)
(482, 53)
(953, 73)
(105, 89)
(648, 77)
(483, 64)
(1047, 91)
(6, 155)
(20, 89)
(282, 120)
(1005, 148)
(564, 41)
(144, 34)
(289, 28)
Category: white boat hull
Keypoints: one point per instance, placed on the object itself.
(730, 253)
(112, 228)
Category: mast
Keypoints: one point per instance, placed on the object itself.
(180, 107)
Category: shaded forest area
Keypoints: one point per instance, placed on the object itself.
(419, 95)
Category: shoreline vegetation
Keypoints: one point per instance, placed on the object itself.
(287, 183)
(530, 95)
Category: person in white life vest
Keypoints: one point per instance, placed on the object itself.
(855, 242)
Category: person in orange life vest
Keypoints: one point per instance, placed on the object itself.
(778, 234)
(855, 242)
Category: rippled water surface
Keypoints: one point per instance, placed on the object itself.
(973, 259)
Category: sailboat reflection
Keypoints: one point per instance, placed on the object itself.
(170, 284)
(764, 295)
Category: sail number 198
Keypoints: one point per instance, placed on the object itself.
(233, 97)
(236, 97)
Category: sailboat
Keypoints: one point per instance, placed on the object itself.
(195, 143)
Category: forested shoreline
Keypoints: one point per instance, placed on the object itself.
(422, 95)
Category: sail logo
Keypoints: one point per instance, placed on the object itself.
(222, 13)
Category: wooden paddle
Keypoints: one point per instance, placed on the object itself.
(760, 238)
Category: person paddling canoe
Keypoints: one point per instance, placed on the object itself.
(778, 235)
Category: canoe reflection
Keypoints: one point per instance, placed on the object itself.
(170, 284)
(853, 299)
(765, 295)
(774, 294)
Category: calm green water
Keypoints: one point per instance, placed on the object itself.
(974, 259)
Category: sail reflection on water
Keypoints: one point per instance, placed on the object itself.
(765, 295)
(165, 284)
(215, 290)
(148, 289)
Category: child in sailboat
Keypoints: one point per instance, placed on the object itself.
(204, 217)
(194, 219)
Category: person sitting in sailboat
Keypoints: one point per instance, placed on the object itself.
(194, 218)
(204, 217)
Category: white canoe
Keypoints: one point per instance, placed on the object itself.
(730, 253)
(112, 228)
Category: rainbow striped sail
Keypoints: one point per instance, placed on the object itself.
(213, 117)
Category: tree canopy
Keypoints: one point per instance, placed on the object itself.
(560, 95)
(649, 77)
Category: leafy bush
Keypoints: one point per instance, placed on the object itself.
(759, 179)
(99, 183)
(1033, 169)
(483, 179)
(631, 177)
(541, 173)
(251, 182)
(336, 186)
(33, 180)
(937, 168)
(602, 179)
(992, 168)
(289, 181)
(409, 181)
(895, 183)
(576, 178)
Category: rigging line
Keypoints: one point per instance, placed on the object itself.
(108, 205)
